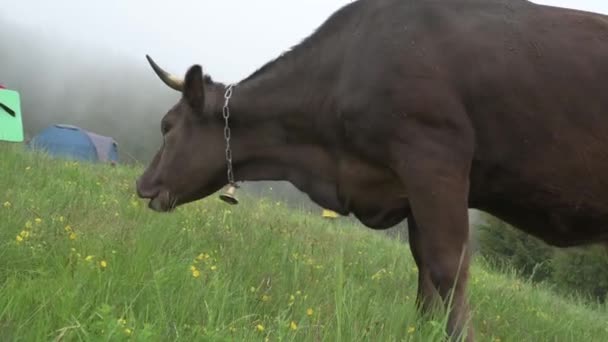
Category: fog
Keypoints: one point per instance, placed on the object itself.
(230, 38)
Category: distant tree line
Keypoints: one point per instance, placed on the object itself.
(581, 270)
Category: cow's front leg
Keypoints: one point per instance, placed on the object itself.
(426, 290)
(433, 159)
(438, 199)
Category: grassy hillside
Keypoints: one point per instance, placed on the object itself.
(81, 259)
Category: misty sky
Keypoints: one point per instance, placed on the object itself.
(230, 38)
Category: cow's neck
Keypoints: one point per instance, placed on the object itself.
(310, 168)
(283, 127)
(294, 89)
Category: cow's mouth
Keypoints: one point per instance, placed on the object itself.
(163, 202)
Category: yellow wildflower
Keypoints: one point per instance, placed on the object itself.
(72, 236)
(7, 204)
(61, 218)
(68, 228)
(265, 298)
(213, 268)
(309, 311)
(19, 238)
(379, 274)
(203, 256)
(195, 272)
(128, 331)
(38, 220)
(88, 258)
(293, 325)
(122, 321)
(27, 168)
(103, 264)
(25, 234)
(260, 327)
(410, 330)
(28, 224)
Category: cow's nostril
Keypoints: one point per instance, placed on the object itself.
(143, 191)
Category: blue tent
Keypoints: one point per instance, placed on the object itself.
(75, 143)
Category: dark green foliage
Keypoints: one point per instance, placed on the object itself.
(582, 270)
(578, 271)
(503, 245)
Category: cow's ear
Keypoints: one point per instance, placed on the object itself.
(194, 88)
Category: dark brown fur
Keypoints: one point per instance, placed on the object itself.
(417, 109)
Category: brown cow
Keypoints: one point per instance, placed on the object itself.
(413, 109)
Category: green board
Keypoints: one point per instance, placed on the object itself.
(11, 124)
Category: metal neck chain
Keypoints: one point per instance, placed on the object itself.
(226, 115)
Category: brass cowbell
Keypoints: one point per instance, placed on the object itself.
(228, 195)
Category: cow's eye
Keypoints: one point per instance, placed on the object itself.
(165, 128)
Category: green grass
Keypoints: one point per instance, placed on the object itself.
(258, 264)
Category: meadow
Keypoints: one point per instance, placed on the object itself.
(82, 259)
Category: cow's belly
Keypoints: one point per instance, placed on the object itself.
(563, 201)
(551, 226)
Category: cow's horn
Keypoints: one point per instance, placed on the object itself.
(170, 80)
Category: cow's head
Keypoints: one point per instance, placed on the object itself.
(191, 162)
